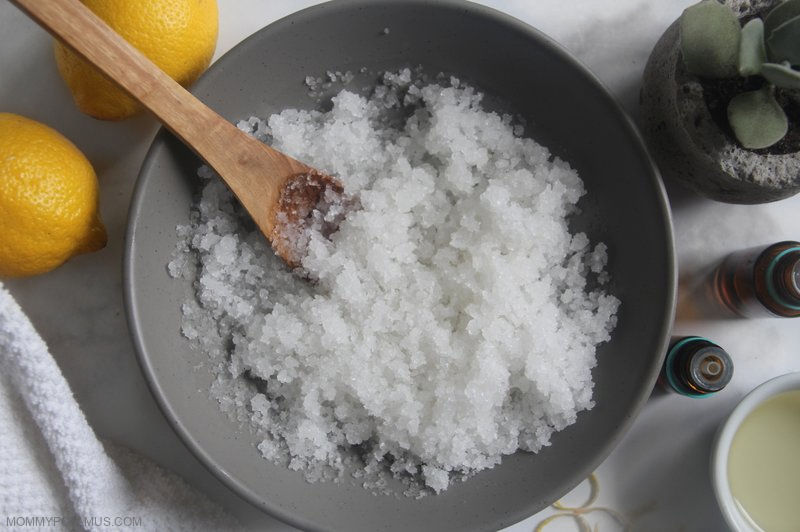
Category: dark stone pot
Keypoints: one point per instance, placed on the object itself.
(687, 143)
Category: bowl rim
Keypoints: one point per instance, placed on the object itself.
(722, 445)
(627, 123)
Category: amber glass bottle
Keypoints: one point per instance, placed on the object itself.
(695, 367)
(761, 281)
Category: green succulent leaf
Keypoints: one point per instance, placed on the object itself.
(752, 53)
(710, 34)
(757, 119)
(780, 14)
(781, 75)
(784, 42)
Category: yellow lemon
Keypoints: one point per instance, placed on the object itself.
(48, 199)
(177, 35)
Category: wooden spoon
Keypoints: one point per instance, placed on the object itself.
(278, 191)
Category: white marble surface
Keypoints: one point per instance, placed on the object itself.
(658, 475)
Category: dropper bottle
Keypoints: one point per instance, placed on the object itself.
(695, 367)
(761, 281)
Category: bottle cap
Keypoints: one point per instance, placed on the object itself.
(696, 367)
(710, 368)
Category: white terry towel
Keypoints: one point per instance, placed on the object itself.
(54, 472)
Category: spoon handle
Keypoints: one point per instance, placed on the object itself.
(243, 162)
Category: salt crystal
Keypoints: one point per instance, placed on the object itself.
(450, 321)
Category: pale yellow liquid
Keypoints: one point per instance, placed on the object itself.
(764, 464)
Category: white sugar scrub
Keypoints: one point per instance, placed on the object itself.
(452, 319)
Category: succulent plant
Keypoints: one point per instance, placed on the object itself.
(715, 45)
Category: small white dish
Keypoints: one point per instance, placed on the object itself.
(734, 516)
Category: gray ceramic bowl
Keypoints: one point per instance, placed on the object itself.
(567, 109)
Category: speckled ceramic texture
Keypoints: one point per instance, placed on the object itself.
(565, 107)
(688, 145)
